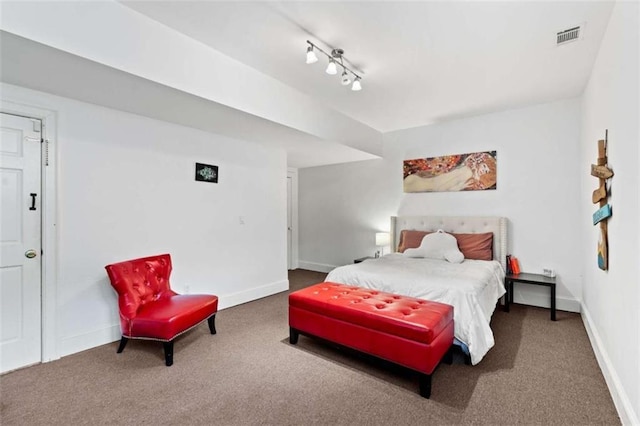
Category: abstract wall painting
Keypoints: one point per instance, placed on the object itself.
(461, 172)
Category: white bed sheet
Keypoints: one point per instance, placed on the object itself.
(471, 287)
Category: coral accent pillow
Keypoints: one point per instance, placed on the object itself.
(472, 246)
(476, 246)
(438, 245)
(411, 239)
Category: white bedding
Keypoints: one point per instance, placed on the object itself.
(471, 287)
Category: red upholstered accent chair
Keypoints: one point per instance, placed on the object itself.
(150, 310)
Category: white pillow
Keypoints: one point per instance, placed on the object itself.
(438, 245)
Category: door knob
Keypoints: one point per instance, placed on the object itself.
(30, 254)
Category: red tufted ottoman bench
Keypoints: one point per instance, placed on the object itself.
(412, 332)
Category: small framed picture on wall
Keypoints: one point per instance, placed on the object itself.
(206, 173)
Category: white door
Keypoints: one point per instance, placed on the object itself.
(289, 230)
(20, 242)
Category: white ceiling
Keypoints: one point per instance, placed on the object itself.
(244, 63)
(424, 62)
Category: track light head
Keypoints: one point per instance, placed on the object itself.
(332, 69)
(311, 56)
(356, 85)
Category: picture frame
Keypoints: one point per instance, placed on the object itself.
(206, 173)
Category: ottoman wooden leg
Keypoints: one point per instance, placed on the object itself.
(425, 385)
(168, 353)
(293, 335)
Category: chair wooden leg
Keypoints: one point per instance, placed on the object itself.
(123, 343)
(212, 323)
(168, 353)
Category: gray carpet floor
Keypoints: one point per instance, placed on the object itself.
(539, 372)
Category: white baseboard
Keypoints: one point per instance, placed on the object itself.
(82, 342)
(620, 397)
(255, 293)
(317, 267)
(543, 300)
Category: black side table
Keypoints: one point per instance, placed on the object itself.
(362, 259)
(527, 278)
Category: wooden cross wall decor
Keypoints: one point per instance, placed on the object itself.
(599, 196)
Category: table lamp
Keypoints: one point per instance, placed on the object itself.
(382, 241)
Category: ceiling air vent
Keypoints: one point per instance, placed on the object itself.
(568, 35)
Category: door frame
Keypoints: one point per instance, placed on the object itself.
(48, 279)
(293, 174)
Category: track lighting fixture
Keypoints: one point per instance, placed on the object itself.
(336, 58)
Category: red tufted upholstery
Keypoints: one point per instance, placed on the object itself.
(149, 309)
(411, 332)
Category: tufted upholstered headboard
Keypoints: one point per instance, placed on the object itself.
(460, 224)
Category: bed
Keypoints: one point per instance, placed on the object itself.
(472, 287)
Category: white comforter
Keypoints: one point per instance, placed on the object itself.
(471, 287)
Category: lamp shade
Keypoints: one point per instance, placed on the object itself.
(311, 56)
(382, 239)
(332, 68)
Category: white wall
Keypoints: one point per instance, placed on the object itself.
(612, 299)
(342, 206)
(126, 189)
